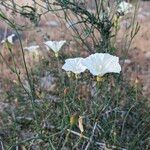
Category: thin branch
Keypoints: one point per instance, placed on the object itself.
(91, 138)
(102, 145)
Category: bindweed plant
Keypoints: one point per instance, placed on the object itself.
(98, 28)
(82, 102)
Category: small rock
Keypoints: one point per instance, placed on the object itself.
(48, 83)
(26, 134)
(53, 98)
(34, 147)
(3, 106)
(46, 125)
(52, 23)
(147, 55)
(127, 61)
(24, 120)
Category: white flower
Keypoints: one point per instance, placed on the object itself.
(33, 49)
(54, 45)
(124, 7)
(101, 63)
(74, 65)
(9, 39)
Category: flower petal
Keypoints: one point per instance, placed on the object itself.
(74, 65)
(54, 45)
(101, 63)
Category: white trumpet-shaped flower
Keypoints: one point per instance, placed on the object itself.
(124, 7)
(74, 65)
(9, 39)
(33, 49)
(54, 45)
(101, 63)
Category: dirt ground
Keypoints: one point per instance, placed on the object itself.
(140, 50)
